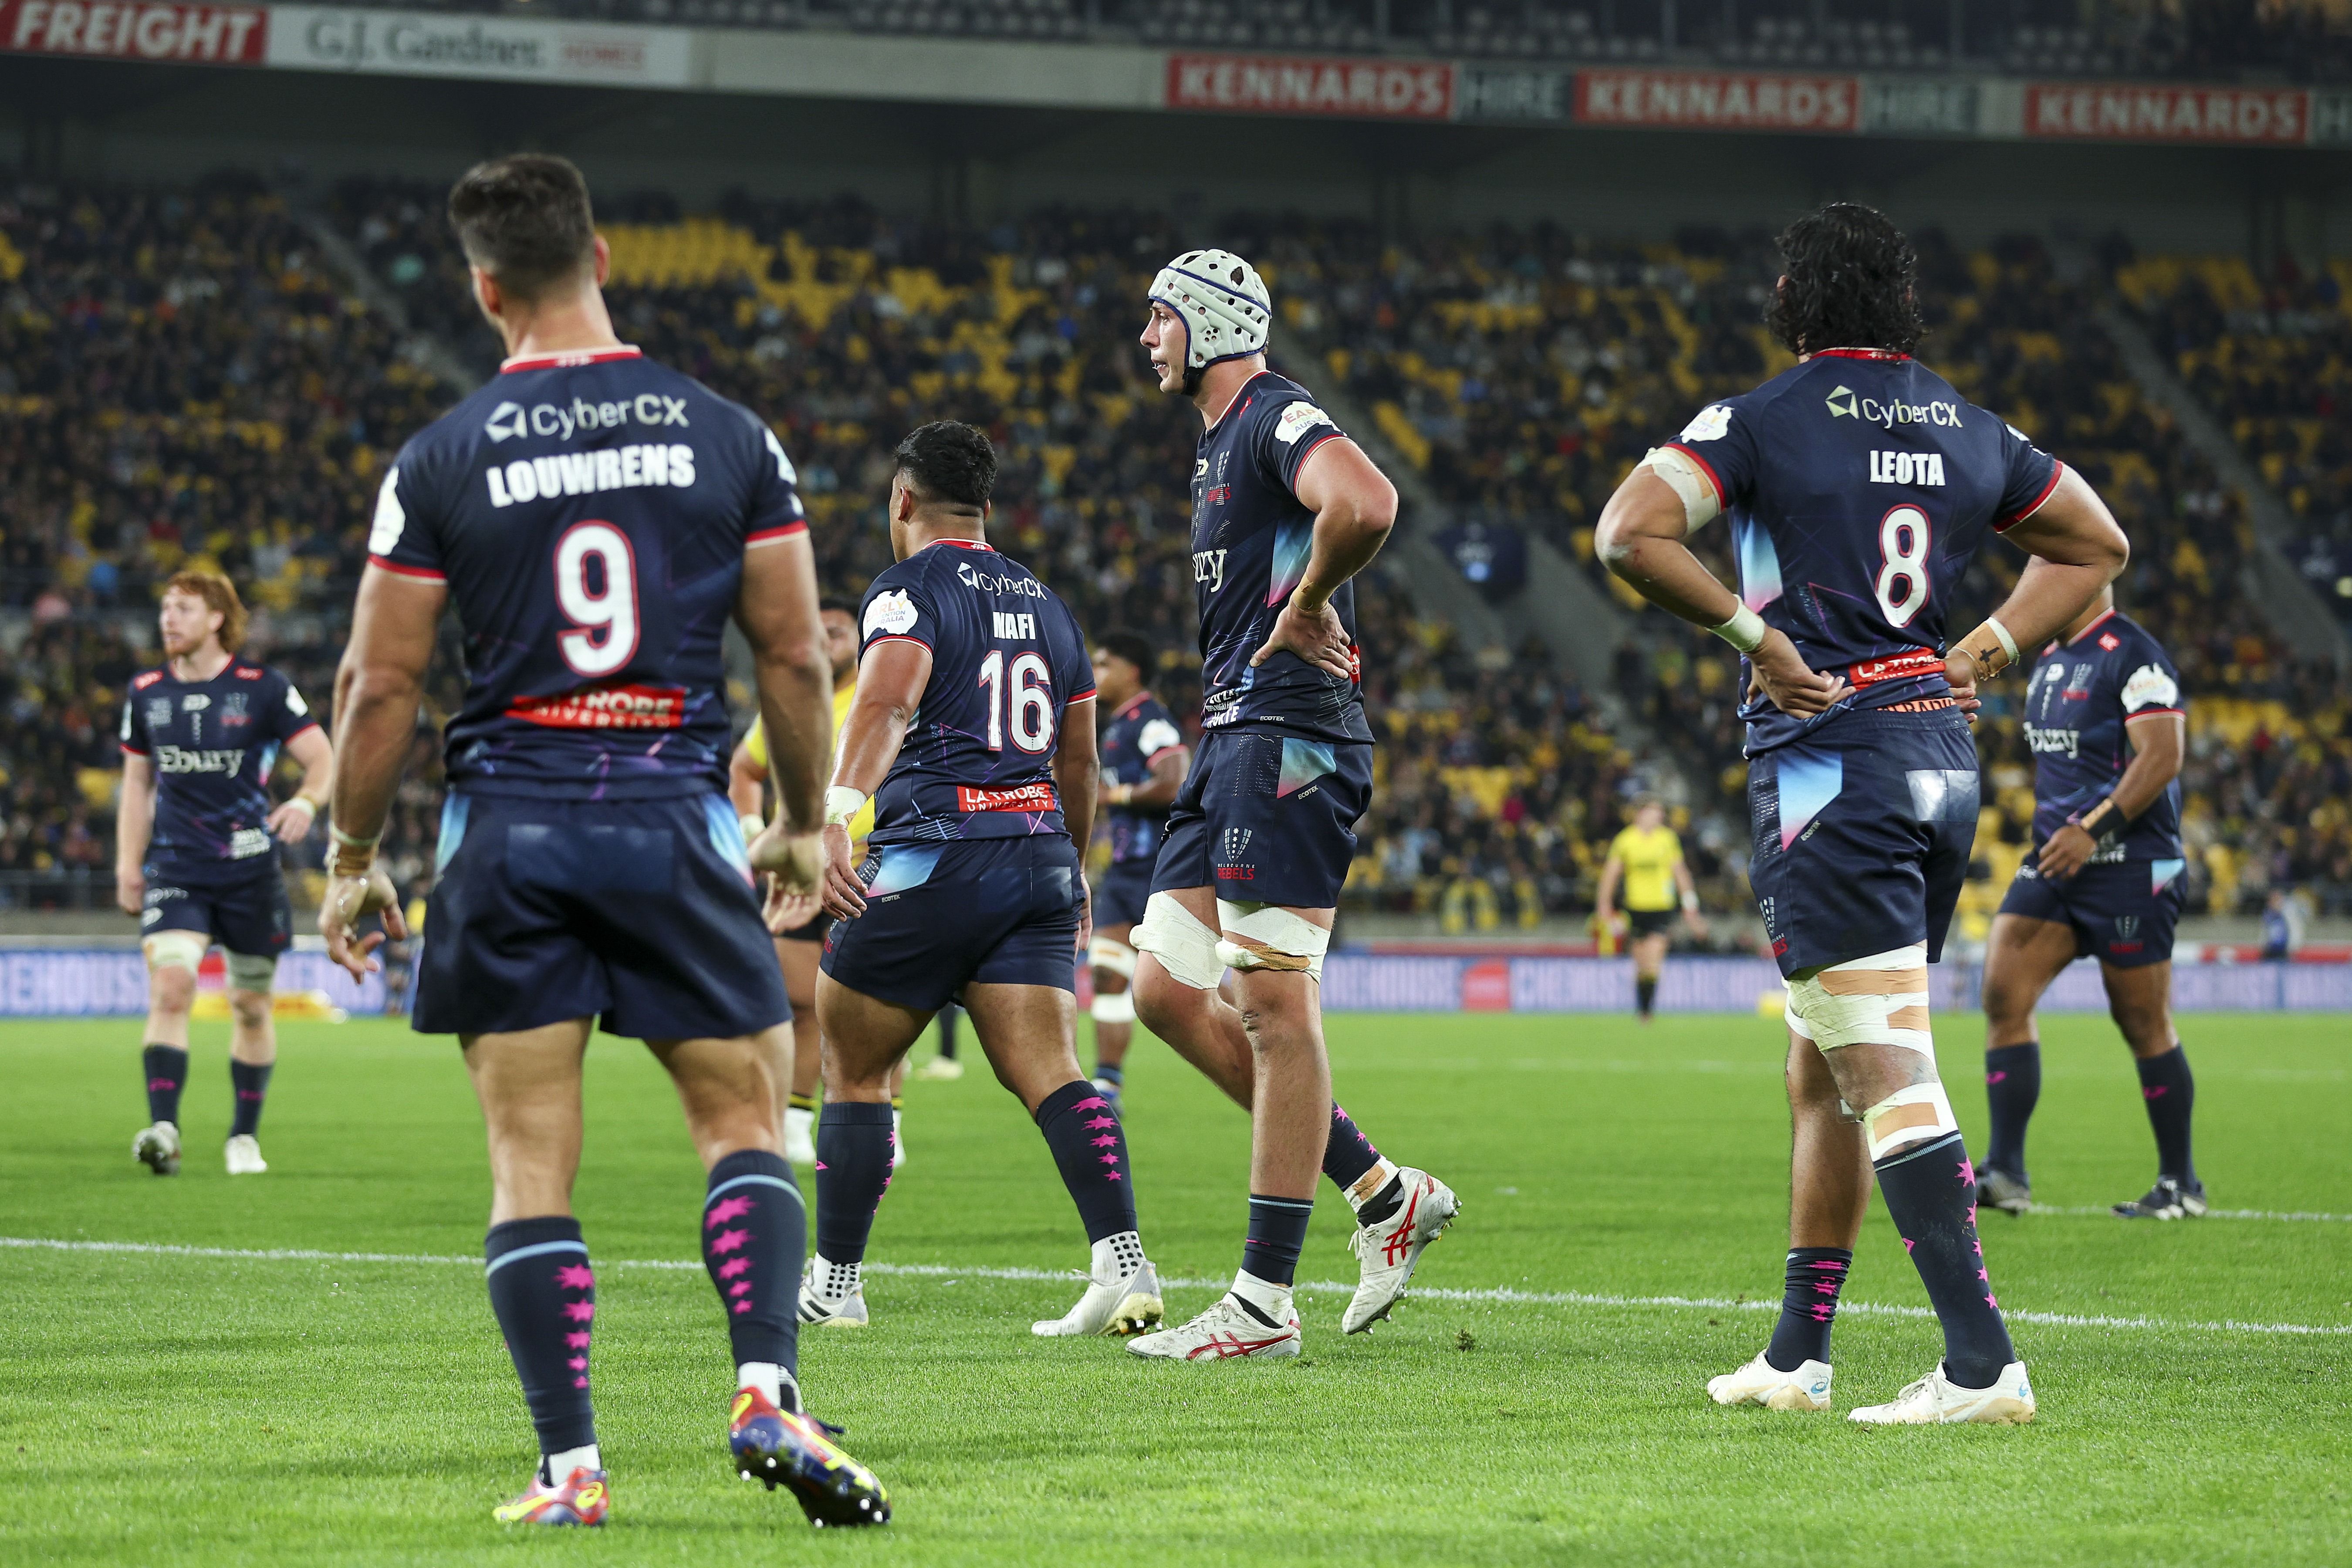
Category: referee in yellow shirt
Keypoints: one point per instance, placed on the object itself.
(1647, 860)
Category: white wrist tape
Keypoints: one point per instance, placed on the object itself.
(1931, 1095)
(1271, 938)
(1745, 630)
(2000, 633)
(1686, 480)
(1879, 1000)
(842, 803)
(1103, 953)
(1113, 1007)
(1185, 948)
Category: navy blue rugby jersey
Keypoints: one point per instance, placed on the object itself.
(213, 744)
(1007, 657)
(1251, 541)
(1140, 731)
(1859, 485)
(589, 512)
(2077, 702)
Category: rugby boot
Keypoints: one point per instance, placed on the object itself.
(583, 1497)
(787, 1448)
(1936, 1401)
(1122, 1305)
(244, 1156)
(1228, 1330)
(2010, 1194)
(819, 1311)
(1761, 1383)
(800, 1136)
(158, 1149)
(2166, 1200)
(1387, 1250)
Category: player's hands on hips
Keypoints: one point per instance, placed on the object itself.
(1779, 672)
(2068, 851)
(291, 822)
(1960, 675)
(845, 895)
(1315, 636)
(129, 889)
(347, 901)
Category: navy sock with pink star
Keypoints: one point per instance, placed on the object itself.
(1090, 1149)
(1931, 1195)
(544, 1294)
(754, 1228)
(1809, 1297)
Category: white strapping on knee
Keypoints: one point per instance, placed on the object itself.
(176, 950)
(1928, 1094)
(1113, 1007)
(252, 971)
(1185, 948)
(1272, 938)
(1880, 1000)
(1108, 953)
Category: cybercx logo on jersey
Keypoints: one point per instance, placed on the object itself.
(991, 583)
(512, 419)
(1845, 403)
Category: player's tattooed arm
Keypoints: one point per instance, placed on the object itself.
(1355, 506)
(891, 677)
(378, 687)
(1641, 540)
(1077, 773)
(134, 825)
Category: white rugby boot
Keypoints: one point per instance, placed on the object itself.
(841, 1302)
(800, 1136)
(1387, 1250)
(1123, 1295)
(243, 1155)
(1936, 1400)
(158, 1148)
(2010, 1194)
(1226, 1332)
(1761, 1383)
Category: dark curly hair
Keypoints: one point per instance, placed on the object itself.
(1132, 646)
(1848, 283)
(950, 463)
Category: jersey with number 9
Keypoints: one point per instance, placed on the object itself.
(590, 515)
(1007, 659)
(1859, 486)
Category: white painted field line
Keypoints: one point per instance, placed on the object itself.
(2214, 1214)
(1502, 1296)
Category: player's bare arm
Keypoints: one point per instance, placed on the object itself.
(292, 821)
(778, 613)
(134, 825)
(2078, 548)
(1688, 887)
(890, 682)
(1604, 898)
(1641, 540)
(1077, 773)
(745, 781)
(1355, 508)
(378, 689)
(1168, 766)
(2160, 742)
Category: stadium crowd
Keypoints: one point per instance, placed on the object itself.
(187, 382)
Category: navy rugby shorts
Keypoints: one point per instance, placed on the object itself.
(1863, 833)
(939, 917)
(249, 915)
(639, 911)
(1267, 819)
(2122, 914)
(1119, 899)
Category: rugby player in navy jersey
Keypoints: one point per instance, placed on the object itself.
(1144, 761)
(594, 520)
(1286, 510)
(972, 733)
(1859, 486)
(194, 856)
(2104, 719)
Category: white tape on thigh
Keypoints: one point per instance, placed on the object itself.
(1273, 937)
(1113, 1007)
(1793, 1014)
(252, 971)
(1185, 948)
(1114, 956)
(176, 950)
(1844, 1009)
(1928, 1094)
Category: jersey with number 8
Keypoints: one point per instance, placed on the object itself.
(1859, 486)
(1007, 659)
(590, 515)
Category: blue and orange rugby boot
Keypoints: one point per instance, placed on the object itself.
(787, 1448)
(583, 1497)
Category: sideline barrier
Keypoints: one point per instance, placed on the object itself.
(111, 983)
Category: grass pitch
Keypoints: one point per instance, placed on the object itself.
(208, 1408)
